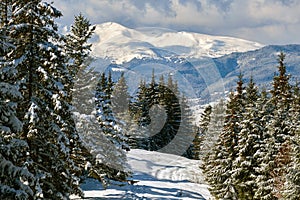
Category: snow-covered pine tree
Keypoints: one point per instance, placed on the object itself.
(222, 167)
(248, 144)
(16, 182)
(211, 158)
(202, 133)
(280, 126)
(215, 127)
(187, 131)
(80, 92)
(139, 109)
(111, 129)
(105, 113)
(292, 184)
(45, 110)
(78, 51)
(264, 155)
(94, 152)
(77, 46)
(120, 98)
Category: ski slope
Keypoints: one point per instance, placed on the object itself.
(160, 177)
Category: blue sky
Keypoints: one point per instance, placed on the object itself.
(265, 21)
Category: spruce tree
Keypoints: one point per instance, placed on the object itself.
(77, 45)
(139, 111)
(78, 52)
(104, 112)
(45, 110)
(280, 127)
(115, 159)
(202, 134)
(120, 97)
(210, 140)
(264, 155)
(186, 132)
(94, 153)
(292, 184)
(16, 181)
(226, 151)
(248, 140)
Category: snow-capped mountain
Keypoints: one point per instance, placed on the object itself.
(122, 44)
(204, 66)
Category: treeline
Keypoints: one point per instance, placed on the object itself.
(156, 117)
(255, 150)
(42, 154)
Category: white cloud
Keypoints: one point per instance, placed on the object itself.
(266, 21)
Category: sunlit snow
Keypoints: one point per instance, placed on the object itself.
(122, 44)
(158, 176)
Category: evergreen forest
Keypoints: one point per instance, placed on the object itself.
(61, 122)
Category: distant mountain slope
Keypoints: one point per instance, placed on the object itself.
(205, 66)
(123, 44)
(261, 64)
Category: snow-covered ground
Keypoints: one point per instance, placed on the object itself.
(160, 176)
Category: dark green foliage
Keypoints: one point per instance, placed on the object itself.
(115, 158)
(256, 156)
(202, 132)
(167, 117)
(292, 184)
(45, 110)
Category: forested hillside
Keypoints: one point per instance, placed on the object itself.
(256, 153)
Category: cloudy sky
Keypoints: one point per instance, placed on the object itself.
(265, 21)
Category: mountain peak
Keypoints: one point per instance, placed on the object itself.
(112, 26)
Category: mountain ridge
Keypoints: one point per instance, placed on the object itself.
(121, 44)
(206, 77)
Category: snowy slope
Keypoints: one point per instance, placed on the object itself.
(122, 44)
(160, 176)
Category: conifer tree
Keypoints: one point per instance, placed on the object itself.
(78, 49)
(45, 110)
(105, 113)
(97, 153)
(203, 132)
(110, 127)
(16, 181)
(154, 101)
(120, 97)
(77, 45)
(248, 140)
(139, 110)
(186, 132)
(214, 129)
(280, 127)
(225, 151)
(264, 155)
(292, 184)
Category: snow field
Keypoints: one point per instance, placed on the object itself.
(159, 176)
